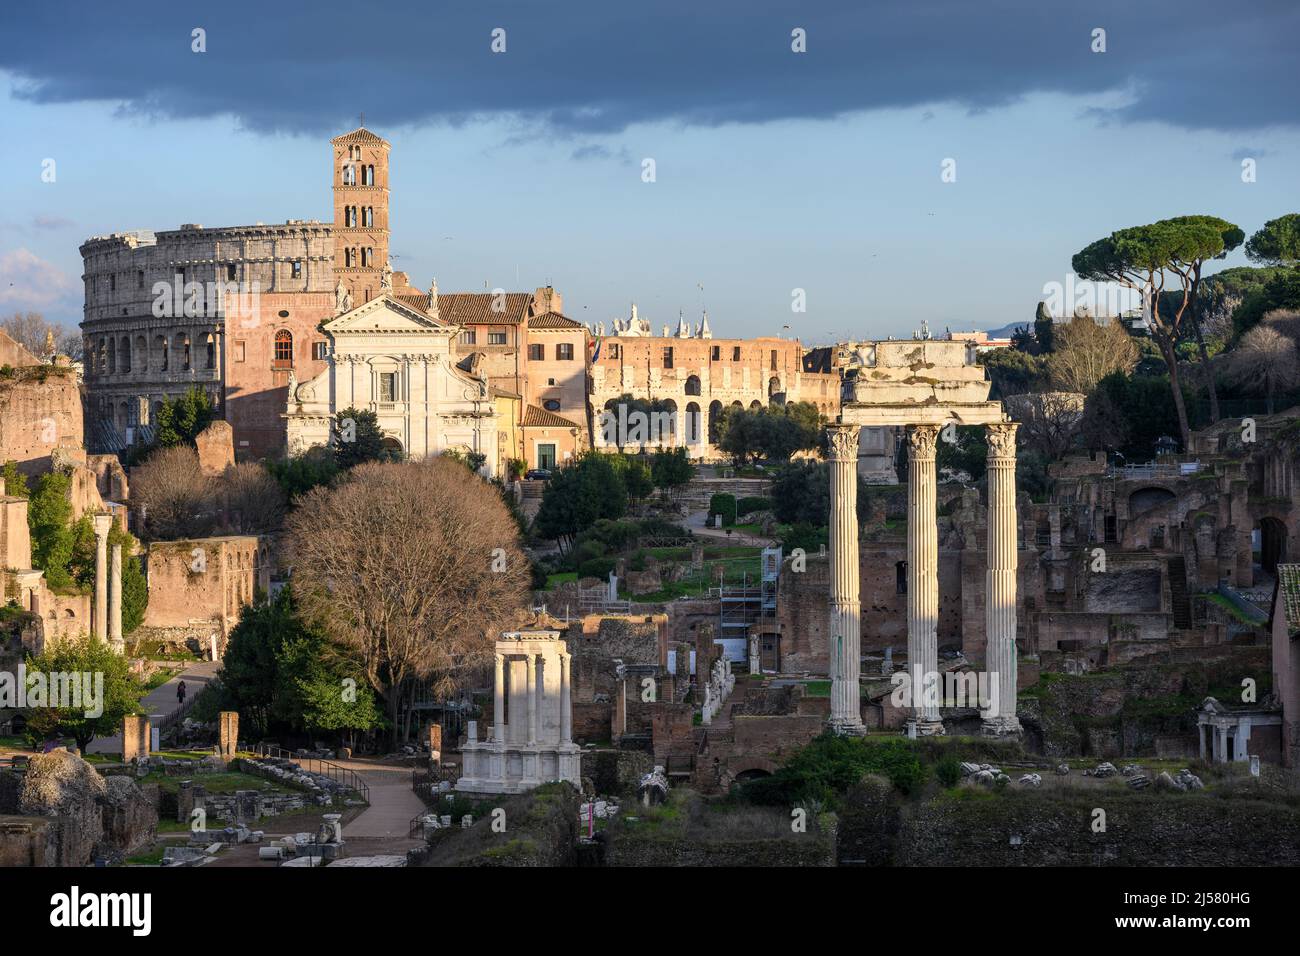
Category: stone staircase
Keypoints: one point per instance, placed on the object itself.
(1178, 597)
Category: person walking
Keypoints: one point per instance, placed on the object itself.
(180, 694)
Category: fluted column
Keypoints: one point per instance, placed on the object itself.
(532, 698)
(499, 700)
(115, 599)
(102, 525)
(566, 702)
(923, 578)
(845, 607)
(1000, 582)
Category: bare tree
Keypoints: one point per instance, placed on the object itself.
(32, 332)
(415, 566)
(1087, 352)
(1266, 358)
(1049, 421)
(174, 494)
(253, 501)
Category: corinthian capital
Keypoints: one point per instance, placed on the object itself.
(1002, 439)
(843, 441)
(921, 441)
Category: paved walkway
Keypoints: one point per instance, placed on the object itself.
(392, 801)
(162, 700)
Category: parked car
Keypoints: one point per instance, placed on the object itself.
(537, 474)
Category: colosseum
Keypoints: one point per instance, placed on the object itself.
(233, 311)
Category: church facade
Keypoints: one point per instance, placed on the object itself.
(398, 361)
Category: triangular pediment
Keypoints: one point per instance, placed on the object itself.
(384, 315)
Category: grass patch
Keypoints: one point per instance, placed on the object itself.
(564, 577)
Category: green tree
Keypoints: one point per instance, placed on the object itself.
(1278, 243)
(968, 451)
(301, 473)
(1146, 258)
(1044, 330)
(801, 494)
(1280, 291)
(357, 438)
(180, 419)
(671, 469)
(323, 691)
(49, 521)
(579, 494)
(15, 481)
(773, 433)
(1013, 372)
(635, 475)
(121, 691)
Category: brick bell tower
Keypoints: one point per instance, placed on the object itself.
(360, 212)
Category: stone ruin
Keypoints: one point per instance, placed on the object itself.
(64, 813)
(653, 788)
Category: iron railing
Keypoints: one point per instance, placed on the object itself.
(349, 779)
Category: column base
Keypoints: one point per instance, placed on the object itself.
(930, 728)
(1001, 727)
(847, 726)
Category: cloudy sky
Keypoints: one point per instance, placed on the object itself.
(774, 170)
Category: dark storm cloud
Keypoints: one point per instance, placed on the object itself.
(595, 67)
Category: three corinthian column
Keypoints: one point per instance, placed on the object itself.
(923, 581)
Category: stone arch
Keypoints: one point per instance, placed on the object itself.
(393, 449)
(158, 357)
(775, 391)
(749, 768)
(124, 354)
(1272, 543)
(142, 353)
(692, 422)
(755, 405)
(692, 385)
(715, 420)
(1148, 498)
(670, 407)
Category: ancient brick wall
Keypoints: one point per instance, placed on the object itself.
(40, 410)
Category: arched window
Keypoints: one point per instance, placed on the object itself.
(349, 175)
(283, 348)
(693, 385)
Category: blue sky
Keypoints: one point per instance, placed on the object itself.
(775, 171)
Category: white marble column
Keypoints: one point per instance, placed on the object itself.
(102, 525)
(844, 634)
(115, 599)
(499, 700)
(566, 702)
(532, 699)
(1000, 581)
(923, 578)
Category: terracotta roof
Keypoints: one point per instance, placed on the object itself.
(1288, 582)
(360, 135)
(540, 418)
(474, 308)
(553, 320)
